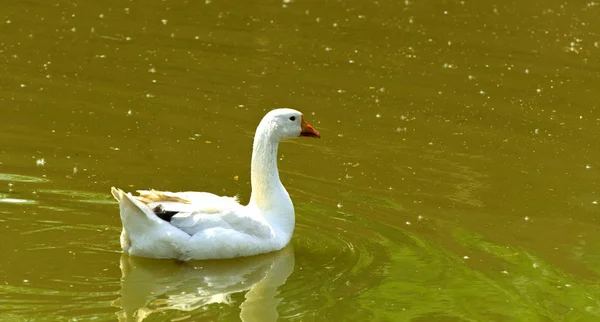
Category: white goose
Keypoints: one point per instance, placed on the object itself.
(201, 225)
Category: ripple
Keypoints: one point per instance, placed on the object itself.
(82, 196)
(52, 304)
(336, 252)
(17, 201)
(20, 178)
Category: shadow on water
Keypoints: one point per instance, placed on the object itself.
(438, 270)
(158, 287)
(497, 282)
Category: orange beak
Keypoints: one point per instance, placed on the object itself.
(308, 130)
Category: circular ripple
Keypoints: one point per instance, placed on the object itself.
(337, 257)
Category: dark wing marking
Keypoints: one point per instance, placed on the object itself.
(163, 214)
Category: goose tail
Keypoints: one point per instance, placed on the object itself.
(145, 234)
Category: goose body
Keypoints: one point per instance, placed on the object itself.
(201, 225)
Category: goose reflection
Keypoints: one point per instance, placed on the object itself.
(149, 286)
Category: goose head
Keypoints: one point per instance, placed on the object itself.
(285, 123)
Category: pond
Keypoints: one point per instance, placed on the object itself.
(456, 178)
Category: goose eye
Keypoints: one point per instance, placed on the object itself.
(292, 118)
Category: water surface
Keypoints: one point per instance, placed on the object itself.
(456, 178)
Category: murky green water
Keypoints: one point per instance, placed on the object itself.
(456, 180)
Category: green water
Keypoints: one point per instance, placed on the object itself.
(456, 178)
